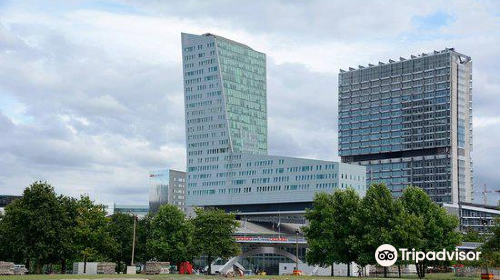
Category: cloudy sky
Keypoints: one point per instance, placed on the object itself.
(91, 91)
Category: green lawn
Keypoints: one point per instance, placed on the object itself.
(441, 276)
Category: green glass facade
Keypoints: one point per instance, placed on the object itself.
(243, 73)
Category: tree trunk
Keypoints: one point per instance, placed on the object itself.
(209, 259)
(348, 269)
(38, 267)
(84, 263)
(332, 273)
(399, 270)
(63, 266)
(420, 269)
(119, 266)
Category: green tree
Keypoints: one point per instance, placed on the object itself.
(11, 242)
(317, 232)
(67, 250)
(171, 235)
(439, 228)
(121, 230)
(331, 228)
(213, 234)
(472, 235)
(407, 231)
(92, 237)
(375, 221)
(32, 227)
(491, 248)
(143, 234)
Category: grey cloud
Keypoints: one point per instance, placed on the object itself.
(302, 112)
(318, 20)
(90, 113)
(98, 122)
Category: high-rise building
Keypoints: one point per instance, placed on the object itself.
(226, 135)
(410, 123)
(167, 187)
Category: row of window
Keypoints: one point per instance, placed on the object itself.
(273, 188)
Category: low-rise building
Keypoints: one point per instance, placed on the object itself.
(6, 200)
(167, 187)
(136, 210)
(478, 217)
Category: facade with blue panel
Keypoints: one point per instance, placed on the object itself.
(410, 123)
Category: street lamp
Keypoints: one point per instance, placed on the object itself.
(131, 269)
(297, 250)
(133, 240)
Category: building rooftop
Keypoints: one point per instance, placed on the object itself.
(232, 41)
(477, 206)
(401, 59)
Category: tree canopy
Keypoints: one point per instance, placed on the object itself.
(33, 227)
(343, 228)
(439, 228)
(332, 228)
(376, 218)
(93, 239)
(213, 235)
(171, 235)
(121, 230)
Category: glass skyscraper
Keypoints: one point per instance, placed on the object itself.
(226, 136)
(410, 123)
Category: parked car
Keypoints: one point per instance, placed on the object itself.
(20, 269)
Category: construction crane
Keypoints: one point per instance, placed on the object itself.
(485, 191)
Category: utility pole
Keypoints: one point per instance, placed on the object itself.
(297, 250)
(133, 241)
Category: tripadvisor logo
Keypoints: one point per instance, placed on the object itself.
(387, 255)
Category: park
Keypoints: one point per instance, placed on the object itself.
(48, 232)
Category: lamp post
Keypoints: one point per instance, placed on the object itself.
(131, 269)
(133, 240)
(297, 250)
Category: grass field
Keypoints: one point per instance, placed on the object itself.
(440, 276)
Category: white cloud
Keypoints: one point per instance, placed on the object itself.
(96, 92)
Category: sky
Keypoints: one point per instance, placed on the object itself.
(91, 92)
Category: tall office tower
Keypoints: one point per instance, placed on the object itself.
(167, 187)
(410, 123)
(226, 135)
